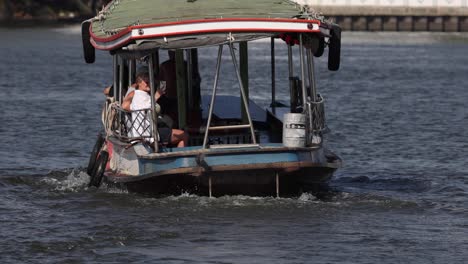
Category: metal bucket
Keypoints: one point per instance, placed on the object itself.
(294, 130)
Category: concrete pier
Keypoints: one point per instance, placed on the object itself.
(401, 23)
(394, 15)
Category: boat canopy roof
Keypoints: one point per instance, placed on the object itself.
(139, 25)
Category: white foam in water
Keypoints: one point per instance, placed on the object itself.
(307, 197)
(76, 180)
(112, 189)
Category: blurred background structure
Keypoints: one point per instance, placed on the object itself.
(394, 15)
(28, 12)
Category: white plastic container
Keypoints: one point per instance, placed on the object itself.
(294, 130)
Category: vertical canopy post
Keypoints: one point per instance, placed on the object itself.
(154, 117)
(311, 107)
(244, 73)
(196, 81)
(118, 90)
(131, 71)
(189, 77)
(181, 88)
(213, 95)
(292, 90)
(277, 184)
(155, 56)
(311, 68)
(273, 76)
(244, 98)
(115, 67)
(121, 77)
(301, 55)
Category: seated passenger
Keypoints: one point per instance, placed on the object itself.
(140, 99)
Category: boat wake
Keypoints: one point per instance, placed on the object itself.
(343, 192)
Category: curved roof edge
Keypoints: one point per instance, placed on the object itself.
(124, 21)
(224, 29)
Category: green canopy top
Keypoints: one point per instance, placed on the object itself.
(120, 14)
(130, 26)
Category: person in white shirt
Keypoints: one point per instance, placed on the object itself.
(141, 99)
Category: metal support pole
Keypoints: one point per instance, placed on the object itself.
(181, 84)
(156, 62)
(244, 73)
(115, 86)
(277, 185)
(181, 88)
(131, 71)
(189, 78)
(153, 103)
(290, 63)
(209, 186)
(304, 91)
(313, 95)
(118, 95)
(121, 77)
(213, 95)
(196, 82)
(244, 98)
(311, 68)
(116, 75)
(273, 76)
(292, 94)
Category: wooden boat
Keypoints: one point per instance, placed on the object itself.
(235, 146)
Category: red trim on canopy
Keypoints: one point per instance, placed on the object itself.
(129, 29)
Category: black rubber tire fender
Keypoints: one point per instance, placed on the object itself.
(89, 52)
(321, 48)
(98, 171)
(94, 154)
(334, 49)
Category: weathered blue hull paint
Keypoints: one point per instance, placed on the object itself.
(244, 170)
(148, 166)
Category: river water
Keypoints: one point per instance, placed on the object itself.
(398, 116)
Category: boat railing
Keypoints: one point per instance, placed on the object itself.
(317, 110)
(234, 138)
(130, 125)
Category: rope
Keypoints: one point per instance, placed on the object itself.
(108, 114)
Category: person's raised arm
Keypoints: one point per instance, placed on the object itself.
(127, 101)
(158, 94)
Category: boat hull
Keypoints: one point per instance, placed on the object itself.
(251, 182)
(259, 171)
